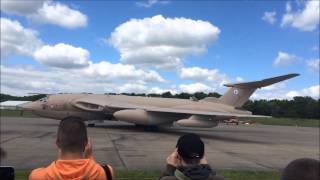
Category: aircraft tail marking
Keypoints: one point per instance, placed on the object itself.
(239, 93)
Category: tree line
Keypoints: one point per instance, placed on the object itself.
(6, 97)
(298, 107)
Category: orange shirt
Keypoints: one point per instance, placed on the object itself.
(78, 169)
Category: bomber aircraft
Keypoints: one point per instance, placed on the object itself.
(152, 111)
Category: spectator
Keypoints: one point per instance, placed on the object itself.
(302, 169)
(188, 161)
(75, 159)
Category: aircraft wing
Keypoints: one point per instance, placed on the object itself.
(100, 106)
(176, 110)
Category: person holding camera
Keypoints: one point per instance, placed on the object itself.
(188, 161)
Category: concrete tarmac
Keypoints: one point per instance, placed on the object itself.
(30, 143)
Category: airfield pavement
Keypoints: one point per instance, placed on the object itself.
(30, 143)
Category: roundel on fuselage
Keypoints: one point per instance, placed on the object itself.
(236, 92)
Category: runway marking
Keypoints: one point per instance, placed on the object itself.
(11, 139)
(133, 155)
(44, 134)
(29, 134)
(237, 155)
(117, 150)
(265, 166)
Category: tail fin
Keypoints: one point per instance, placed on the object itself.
(239, 93)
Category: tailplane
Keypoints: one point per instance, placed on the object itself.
(239, 93)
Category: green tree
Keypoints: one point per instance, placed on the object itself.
(167, 95)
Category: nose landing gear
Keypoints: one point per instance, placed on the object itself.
(91, 123)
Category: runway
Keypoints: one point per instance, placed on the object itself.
(30, 143)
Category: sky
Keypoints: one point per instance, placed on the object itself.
(154, 46)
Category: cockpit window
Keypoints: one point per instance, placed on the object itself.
(45, 99)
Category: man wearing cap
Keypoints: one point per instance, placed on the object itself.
(188, 162)
(302, 169)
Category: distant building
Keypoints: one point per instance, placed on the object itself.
(12, 105)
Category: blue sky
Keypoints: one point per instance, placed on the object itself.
(156, 46)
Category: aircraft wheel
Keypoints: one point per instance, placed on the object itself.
(91, 125)
(152, 128)
(147, 127)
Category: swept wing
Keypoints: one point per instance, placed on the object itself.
(94, 105)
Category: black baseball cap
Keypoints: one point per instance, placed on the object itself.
(190, 146)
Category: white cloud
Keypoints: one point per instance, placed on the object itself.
(277, 86)
(280, 91)
(312, 91)
(16, 39)
(157, 90)
(46, 12)
(162, 42)
(269, 17)
(283, 59)
(150, 3)
(239, 79)
(269, 95)
(21, 8)
(60, 14)
(292, 94)
(288, 6)
(313, 65)
(274, 91)
(196, 87)
(25, 80)
(132, 88)
(63, 56)
(315, 48)
(306, 19)
(201, 74)
(110, 71)
(94, 78)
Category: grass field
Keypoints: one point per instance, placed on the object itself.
(285, 121)
(15, 113)
(154, 175)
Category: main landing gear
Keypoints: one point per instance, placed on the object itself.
(91, 123)
(147, 127)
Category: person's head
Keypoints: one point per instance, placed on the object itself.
(72, 135)
(190, 148)
(302, 169)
